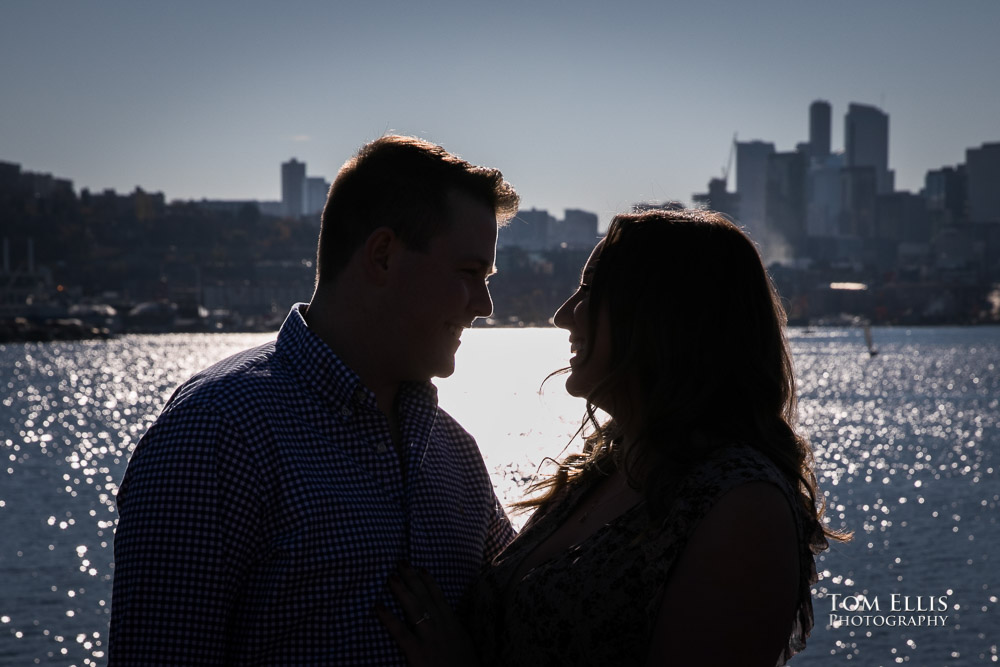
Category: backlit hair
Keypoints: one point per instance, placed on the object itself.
(401, 183)
(699, 357)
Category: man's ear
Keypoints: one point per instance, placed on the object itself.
(378, 253)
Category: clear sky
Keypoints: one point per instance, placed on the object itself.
(581, 104)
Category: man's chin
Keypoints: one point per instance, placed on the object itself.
(444, 372)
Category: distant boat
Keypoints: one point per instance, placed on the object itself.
(868, 341)
(152, 317)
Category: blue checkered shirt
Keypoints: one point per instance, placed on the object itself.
(261, 515)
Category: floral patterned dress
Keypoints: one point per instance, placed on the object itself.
(596, 603)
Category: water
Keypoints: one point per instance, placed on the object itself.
(906, 446)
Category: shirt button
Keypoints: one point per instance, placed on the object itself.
(381, 448)
(345, 411)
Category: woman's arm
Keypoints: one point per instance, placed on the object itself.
(732, 595)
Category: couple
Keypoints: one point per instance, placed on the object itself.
(306, 502)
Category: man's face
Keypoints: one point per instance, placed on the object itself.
(438, 293)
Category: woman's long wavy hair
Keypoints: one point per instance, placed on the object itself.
(698, 352)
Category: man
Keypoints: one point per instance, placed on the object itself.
(262, 514)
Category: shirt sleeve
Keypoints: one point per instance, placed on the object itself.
(500, 533)
(187, 509)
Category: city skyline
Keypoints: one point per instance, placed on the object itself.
(593, 109)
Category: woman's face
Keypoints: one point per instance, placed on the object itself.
(591, 359)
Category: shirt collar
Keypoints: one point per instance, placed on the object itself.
(320, 368)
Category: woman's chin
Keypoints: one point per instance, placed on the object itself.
(574, 388)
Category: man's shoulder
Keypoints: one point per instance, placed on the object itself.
(235, 383)
(459, 444)
(448, 426)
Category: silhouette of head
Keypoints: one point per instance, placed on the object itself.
(683, 344)
(696, 327)
(401, 183)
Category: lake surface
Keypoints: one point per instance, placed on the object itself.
(906, 448)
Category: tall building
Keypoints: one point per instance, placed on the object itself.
(751, 184)
(536, 230)
(866, 143)
(786, 204)
(293, 187)
(317, 189)
(577, 230)
(819, 129)
(982, 170)
(945, 190)
(529, 230)
(823, 196)
(902, 217)
(858, 192)
(10, 175)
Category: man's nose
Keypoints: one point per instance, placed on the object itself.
(482, 303)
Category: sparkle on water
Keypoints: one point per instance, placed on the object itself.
(905, 447)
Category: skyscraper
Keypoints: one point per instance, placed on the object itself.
(819, 129)
(528, 230)
(982, 168)
(858, 193)
(578, 230)
(317, 189)
(823, 195)
(293, 187)
(751, 184)
(946, 192)
(786, 204)
(866, 142)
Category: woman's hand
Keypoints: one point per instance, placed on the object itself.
(431, 635)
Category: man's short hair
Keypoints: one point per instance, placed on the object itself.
(401, 183)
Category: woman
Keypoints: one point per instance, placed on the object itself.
(684, 533)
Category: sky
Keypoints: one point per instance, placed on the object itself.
(581, 104)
